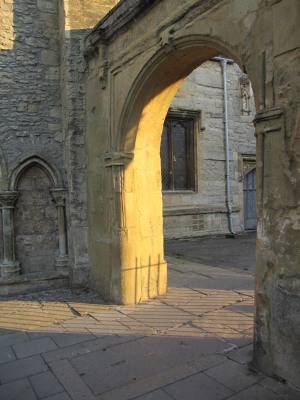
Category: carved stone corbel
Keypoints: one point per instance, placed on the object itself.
(167, 38)
(118, 158)
(103, 75)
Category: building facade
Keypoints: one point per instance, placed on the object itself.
(206, 207)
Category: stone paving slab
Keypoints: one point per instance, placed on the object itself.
(59, 396)
(164, 378)
(45, 384)
(75, 387)
(157, 394)
(6, 354)
(117, 366)
(233, 375)
(199, 386)
(12, 338)
(175, 350)
(32, 347)
(22, 368)
(17, 390)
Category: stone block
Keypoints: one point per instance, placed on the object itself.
(52, 74)
(13, 338)
(32, 108)
(33, 347)
(47, 6)
(68, 339)
(22, 368)
(117, 366)
(17, 390)
(50, 57)
(59, 396)
(6, 354)
(196, 387)
(286, 35)
(157, 394)
(71, 381)
(54, 127)
(45, 384)
(235, 376)
(176, 350)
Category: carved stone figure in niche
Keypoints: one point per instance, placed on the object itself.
(245, 95)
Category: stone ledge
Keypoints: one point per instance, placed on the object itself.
(124, 12)
(174, 211)
(33, 282)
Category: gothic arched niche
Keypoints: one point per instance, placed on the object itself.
(35, 220)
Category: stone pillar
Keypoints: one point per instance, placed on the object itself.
(130, 268)
(277, 332)
(10, 267)
(59, 197)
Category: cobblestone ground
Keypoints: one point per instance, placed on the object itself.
(192, 343)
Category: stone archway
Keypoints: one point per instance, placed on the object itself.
(138, 56)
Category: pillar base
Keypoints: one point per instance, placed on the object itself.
(10, 269)
(62, 264)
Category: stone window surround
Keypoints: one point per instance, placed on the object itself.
(195, 116)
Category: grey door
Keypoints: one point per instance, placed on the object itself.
(250, 200)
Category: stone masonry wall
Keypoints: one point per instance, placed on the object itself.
(30, 118)
(30, 101)
(42, 108)
(77, 17)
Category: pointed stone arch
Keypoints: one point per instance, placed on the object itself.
(51, 171)
(34, 228)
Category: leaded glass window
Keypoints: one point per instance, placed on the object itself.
(177, 152)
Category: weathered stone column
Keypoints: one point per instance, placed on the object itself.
(277, 334)
(127, 268)
(59, 197)
(10, 267)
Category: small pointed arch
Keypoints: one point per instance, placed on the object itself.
(51, 171)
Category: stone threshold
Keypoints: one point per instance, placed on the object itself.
(35, 281)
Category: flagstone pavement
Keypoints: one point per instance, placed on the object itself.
(193, 343)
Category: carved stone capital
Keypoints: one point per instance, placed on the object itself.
(269, 120)
(8, 199)
(118, 158)
(59, 196)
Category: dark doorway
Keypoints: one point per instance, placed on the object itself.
(250, 200)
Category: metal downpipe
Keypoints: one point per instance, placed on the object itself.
(224, 62)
